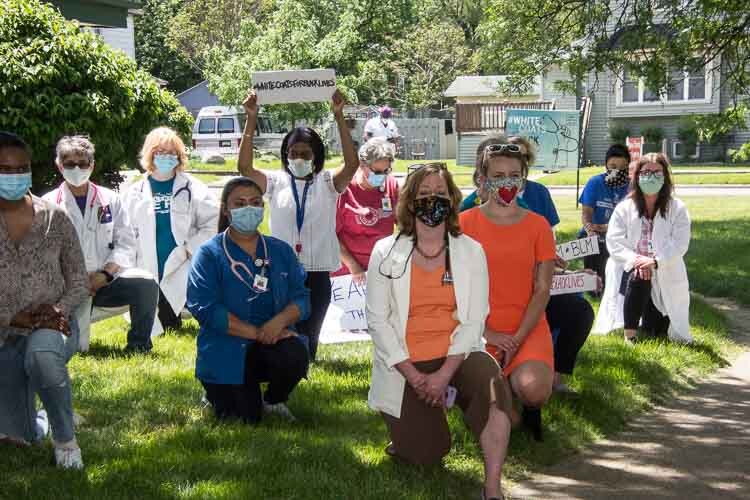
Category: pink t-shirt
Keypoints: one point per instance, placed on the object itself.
(364, 216)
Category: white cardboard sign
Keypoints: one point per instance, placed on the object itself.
(573, 283)
(579, 248)
(347, 309)
(282, 87)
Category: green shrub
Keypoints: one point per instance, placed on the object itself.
(653, 135)
(56, 80)
(619, 133)
(687, 131)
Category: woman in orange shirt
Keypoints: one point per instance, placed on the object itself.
(427, 296)
(520, 250)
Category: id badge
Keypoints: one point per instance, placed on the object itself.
(260, 283)
(387, 206)
(650, 247)
(450, 396)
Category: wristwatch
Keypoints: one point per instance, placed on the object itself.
(108, 275)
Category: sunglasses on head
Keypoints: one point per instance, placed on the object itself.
(415, 167)
(494, 149)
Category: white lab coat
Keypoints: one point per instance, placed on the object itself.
(388, 311)
(670, 289)
(105, 234)
(194, 215)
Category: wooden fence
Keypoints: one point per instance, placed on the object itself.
(480, 117)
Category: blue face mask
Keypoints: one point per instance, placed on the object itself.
(165, 163)
(376, 180)
(246, 219)
(13, 187)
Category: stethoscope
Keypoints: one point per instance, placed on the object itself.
(94, 199)
(185, 188)
(447, 276)
(263, 264)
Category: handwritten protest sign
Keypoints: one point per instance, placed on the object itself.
(573, 283)
(579, 248)
(347, 309)
(555, 134)
(281, 87)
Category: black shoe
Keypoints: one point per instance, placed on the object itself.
(137, 349)
(531, 419)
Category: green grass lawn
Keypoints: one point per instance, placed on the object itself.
(568, 177)
(146, 436)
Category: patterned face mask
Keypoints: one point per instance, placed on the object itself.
(504, 190)
(432, 210)
(616, 178)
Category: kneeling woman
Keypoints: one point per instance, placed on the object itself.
(427, 295)
(246, 291)
(520, 251)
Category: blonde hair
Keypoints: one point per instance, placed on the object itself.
(162, 136)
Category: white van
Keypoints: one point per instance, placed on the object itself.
(218, 129)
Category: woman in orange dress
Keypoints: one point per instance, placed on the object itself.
(520, 250)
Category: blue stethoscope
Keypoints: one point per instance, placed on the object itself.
(263, 264)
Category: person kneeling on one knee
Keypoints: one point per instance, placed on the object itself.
(426, 306)
(44, 280)
(247, 290)
(108, 243)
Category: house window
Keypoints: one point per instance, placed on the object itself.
(684, 87)
(681, 150)
(629, 88)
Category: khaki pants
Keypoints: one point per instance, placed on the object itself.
(421, 435)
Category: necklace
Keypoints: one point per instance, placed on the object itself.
(430, 257)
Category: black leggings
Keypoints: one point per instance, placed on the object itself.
(282, 365)
(638, 304)
(572, 316)
(319, 283)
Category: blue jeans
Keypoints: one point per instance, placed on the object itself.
(33, 365)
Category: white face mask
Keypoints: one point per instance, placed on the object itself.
(300, 167)
(77, 176)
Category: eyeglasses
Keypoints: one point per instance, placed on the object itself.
(494, 149)
(415, 167)
(68, 165)
(381, 172)
(650, 174)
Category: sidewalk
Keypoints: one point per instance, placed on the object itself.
(694, 447)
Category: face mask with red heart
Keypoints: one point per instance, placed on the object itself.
(504, 190)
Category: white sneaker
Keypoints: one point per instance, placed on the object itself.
(69, 457)
(279, 409)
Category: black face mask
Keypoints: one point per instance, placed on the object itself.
(616, 178)
(433, 210)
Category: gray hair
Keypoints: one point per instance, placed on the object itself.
(376, 149)
(75, 145)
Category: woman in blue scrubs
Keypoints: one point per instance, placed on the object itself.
(247, 290)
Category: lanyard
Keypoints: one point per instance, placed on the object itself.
(300, 207)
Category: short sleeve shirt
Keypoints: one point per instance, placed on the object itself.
(317, 237)
(365, 216)
(539, 200)
(378, 128)
(165, 242)
(602, 198)
(512, 252)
